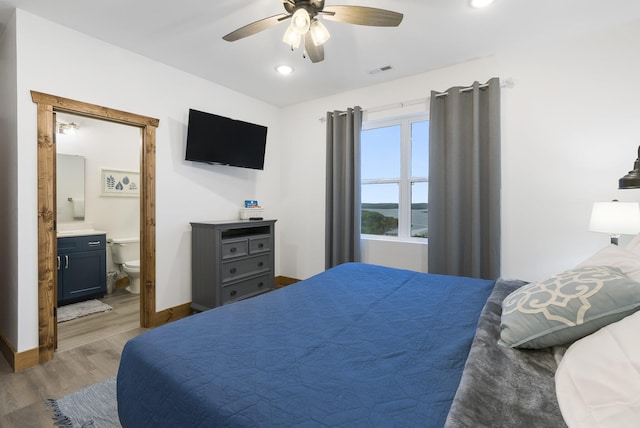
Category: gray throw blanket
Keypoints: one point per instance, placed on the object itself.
(503, 387)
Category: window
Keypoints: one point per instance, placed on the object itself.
(395, 171)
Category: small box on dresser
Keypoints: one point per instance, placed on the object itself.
(230, 261)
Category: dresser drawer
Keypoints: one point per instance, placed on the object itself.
(234, 248)
(235, 269)
(259, 244)
(82, 243)
(247, 288)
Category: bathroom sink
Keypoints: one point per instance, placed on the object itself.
(66, 230)
(80, 232)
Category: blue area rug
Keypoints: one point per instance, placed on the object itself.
(94, 406)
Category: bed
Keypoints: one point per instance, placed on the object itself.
(357, 345)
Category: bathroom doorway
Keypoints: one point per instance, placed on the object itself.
(47, 107)
(89, 152)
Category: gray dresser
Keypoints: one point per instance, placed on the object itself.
(230, 261)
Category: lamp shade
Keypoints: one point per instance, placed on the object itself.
(618, 218)
(632, 179)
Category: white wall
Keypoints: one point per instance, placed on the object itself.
(570, 129)
(9, 292)
(103, 74)
(104, 145)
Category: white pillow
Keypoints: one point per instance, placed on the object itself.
(612, 255)
(598, 379)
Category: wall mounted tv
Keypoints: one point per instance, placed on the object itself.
(220, 140)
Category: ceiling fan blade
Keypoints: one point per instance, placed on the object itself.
(255, 27)
(315, 53)
(362, 15)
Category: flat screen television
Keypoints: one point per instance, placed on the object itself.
(220, 140)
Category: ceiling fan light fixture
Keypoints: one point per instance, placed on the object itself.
(300, 21)
(319, 33)
(302, 16)
(291, 38)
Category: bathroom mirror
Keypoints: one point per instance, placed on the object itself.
(70, 188)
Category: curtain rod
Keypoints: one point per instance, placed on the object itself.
(397, 105)
(506, 83)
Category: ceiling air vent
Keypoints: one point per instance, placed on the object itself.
(380, 70)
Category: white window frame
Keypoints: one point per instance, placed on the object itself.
(405, 181)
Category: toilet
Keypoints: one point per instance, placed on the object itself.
(126, 254)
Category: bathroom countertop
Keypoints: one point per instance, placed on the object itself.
(80, 232)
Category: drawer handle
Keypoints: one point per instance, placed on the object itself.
(233, 292)
(260, 284)
(232, 270)
(232, 250)
(94, 243)
(260, 264)
(260, 245)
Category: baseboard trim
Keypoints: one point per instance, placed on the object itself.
(283, 281)
(18, 360)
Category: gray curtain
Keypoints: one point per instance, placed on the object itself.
(464, 181)
(342, 228)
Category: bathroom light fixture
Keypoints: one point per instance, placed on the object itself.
(480, 3)
(615, 218)
(67, 128)
(284, 69)
(632, 179)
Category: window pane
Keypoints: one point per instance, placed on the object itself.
(380, 152)
(420, 149)
(419, 209)
(380, 209)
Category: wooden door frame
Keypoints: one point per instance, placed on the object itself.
(47, 236)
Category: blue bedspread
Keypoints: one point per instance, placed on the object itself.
(358, 345)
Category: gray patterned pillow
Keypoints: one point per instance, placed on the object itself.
(567, 306)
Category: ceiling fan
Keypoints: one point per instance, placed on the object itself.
(305, 24)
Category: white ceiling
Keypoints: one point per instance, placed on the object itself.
(434, 33)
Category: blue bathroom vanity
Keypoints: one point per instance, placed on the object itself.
(82, 268)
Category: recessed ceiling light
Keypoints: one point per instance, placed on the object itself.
(480, 3)
(284, 69)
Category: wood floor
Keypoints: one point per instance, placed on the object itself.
(88, 351)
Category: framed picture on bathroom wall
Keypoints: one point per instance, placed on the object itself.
(120, 183)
